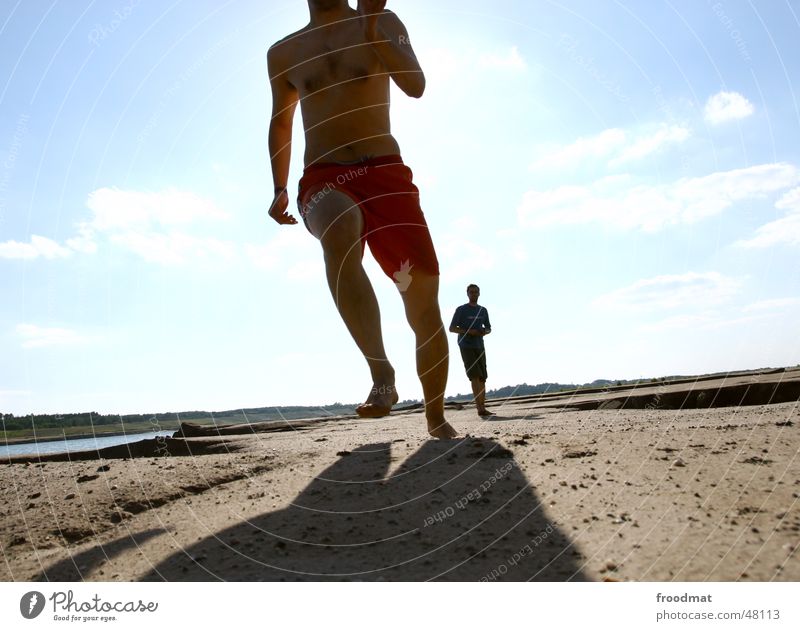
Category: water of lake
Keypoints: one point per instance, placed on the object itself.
(75, 444)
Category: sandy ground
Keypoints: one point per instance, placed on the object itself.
(544, 491)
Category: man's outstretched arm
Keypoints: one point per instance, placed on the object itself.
(388, 37)
(284, 102)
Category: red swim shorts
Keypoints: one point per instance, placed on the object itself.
(394, 225)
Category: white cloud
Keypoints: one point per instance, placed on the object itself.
(510, 60)
(34, 336)
(615, 146)
(704, 321)
(173, 248)
(145, 223)
(772, 304)
(790, 202)
(38, 247)
(783, 231)
(727, 106)
(84, 241)
(443, 63)
(678, 322)
(645, 145)
(671, 291)
(291, 249)
(713, 319)
(137, 221)
(593, 147)
(461, 258)
(617, 202)
(116, 209)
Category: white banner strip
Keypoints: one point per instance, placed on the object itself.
(390, 606)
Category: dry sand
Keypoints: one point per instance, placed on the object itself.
(554, 488)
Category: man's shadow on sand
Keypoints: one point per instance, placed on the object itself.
(453, 510)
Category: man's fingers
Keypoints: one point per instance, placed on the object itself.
(369, 7)
(285, 219)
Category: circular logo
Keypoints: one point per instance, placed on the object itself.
(31, 605)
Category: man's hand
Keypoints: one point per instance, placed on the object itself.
(370, 10)
(278, 208)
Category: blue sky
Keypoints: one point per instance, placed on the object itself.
(621, 178)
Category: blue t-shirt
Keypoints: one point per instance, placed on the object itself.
(469, 317)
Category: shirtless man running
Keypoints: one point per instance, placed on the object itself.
(355, 189)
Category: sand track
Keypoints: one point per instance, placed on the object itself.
(543, 491)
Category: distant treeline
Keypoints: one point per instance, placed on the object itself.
(88, 419)
(31, 421)
(520, 390)
(83, 419)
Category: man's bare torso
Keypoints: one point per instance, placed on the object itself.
(343, 90)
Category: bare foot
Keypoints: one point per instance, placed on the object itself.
(441, 429)
(484, 413)
(379, 402)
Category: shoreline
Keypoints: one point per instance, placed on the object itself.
(10, 442)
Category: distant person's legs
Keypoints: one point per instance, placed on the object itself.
(338, 224)
(475, 367)
(421, 301)
(479, 393)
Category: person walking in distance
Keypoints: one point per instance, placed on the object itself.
(471, 323)
(355, 189)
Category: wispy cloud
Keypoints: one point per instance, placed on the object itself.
(704, 321)
(646, 145)
(36, 248)
(619, 201)
(462, 258)
(443, 63)
(592, 147)
(115, 209)
(773, 304)
(678, 322)
(153, 225)
(34, 336)
(612, 147)
(291, 250)
(783, 231)
(671, 291)
(710, 319)
(173, 248)
(509, 60)
(84, 241)
(727, 106)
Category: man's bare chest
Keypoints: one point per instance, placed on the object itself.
(342, 63)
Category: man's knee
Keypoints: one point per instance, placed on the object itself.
(421, 300)
(425, 316)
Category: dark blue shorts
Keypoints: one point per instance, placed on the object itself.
(474, 362)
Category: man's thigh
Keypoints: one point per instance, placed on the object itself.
(335, 219)
(474, 363)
